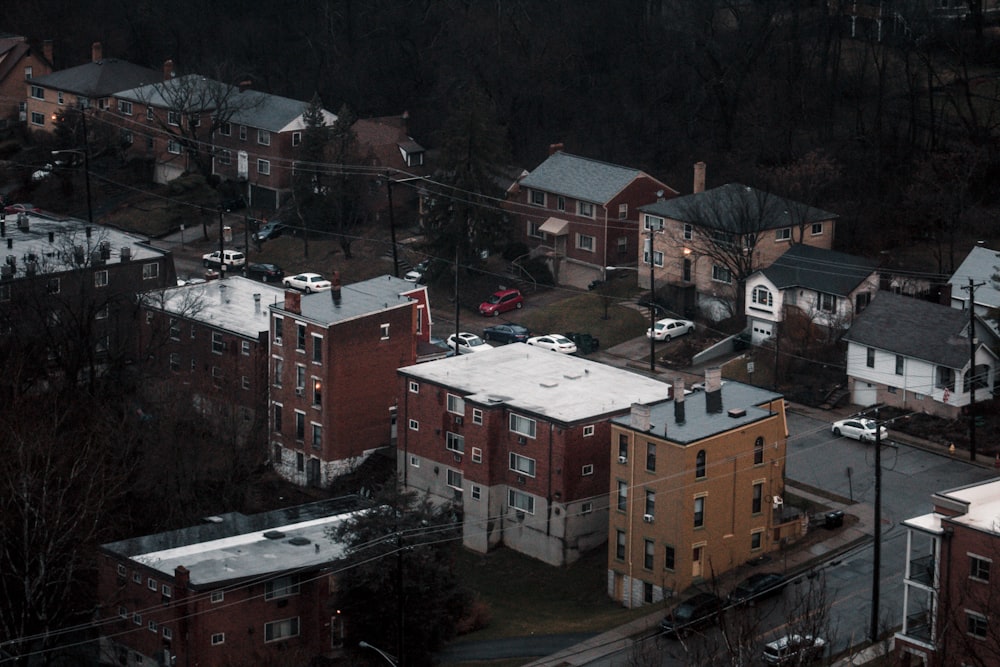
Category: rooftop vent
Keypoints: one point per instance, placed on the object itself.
(300, 541)
(274, 534)
(736, 413)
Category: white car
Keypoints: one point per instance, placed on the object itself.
(858, 428)
(554, 342)
(794, 650)
(468, 343)
(307, 282)
(43, 173)
(231, 258)
(669, 328)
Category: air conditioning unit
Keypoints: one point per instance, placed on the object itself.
(459, 420)
(521, 440)
(300, 391)
(458, 458)
(521, 479)
(777, 501)
(648, 518)
(622, 459)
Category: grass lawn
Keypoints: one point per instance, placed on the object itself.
(526, 597)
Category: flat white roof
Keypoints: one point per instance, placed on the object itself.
(982, 508)
(228, 304)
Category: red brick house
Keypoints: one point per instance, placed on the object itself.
(578, 210)
(334, 357)
(20, 61)
(518, 437)
(235, 590)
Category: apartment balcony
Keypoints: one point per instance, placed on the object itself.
(922, 570)
(918, 627)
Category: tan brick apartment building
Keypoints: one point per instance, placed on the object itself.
(333, 359)
(235, 590)
(517, 437)
(693, 483)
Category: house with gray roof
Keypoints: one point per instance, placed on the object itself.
(825, 288)
(981, 267)
(577, 210)
(917, 355)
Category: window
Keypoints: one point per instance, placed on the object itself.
(384, 331)
(623, 246)
(535, 230)
(317, 435)
(218, 344)
(5, 293)
(651, 456)
(522, 425)
(153, 627)
(758, 498)
(121, 570)
(414, 425)
(756, 540)
(622, 496)
(225, 156)
(477, 416)
(827, 302)
(537, 198)
(37, 92)
(976, 624)
(763, 297)
(519, 500)
(245, 348)
(456, 404)
(281, 587)
(123, 612)
(979, 568)
(945, 378)
(279, 371)
(870, 357)
(218, 596)
(686, 270)
(217, 376)
(455, 479)
(585, 242)
(652, 222)
(226, 129)
(277, 418)
(137, 618)
(476, 492)
(137, 578)
(150, 271)
(300, 425)
(296, 139)
(522, 464)
(300, 337)
(126, 137)
(37, 118)
(317, 349)
(455, 443)
(699, 465)
(415, 461)
(758, 451)
(623, 446)
(657, 257)
(477, 455)
(276, 630)
(699, 512)
(649, 550)
(168, 634)
(620, 544)
(783, 234)
(622, 211)
(588, 431)
(125, 107)
(650, 502)
(152, 585)
(218, 638)
(264, 167)
(414, 387)
(53, 286)
(263, 137)
(817, 228)
(174, 146)
(28, 74)
(149, 113)
(243, 132)
(585, 209)
(587, 470)
(174, 118)
(688, 231)
(668, 558)
(721, 274)
(899, 364)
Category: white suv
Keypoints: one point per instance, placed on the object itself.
(231, 258)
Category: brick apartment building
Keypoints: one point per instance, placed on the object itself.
(211, 341)
(235, 590)
(949, 585)
(20, 60)
(583, 211)
(334, 357)
(693, 487)
(517, 437)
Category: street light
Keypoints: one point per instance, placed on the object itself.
(388, 658)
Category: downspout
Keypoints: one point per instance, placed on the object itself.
(628, 507)
(604, 267)
(548, 490)
(406, 433)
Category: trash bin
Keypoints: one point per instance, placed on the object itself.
(834, 519)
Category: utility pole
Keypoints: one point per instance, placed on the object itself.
(392, 227)
(652, 304)
(877, 559)
(971, 288)
(222, 247)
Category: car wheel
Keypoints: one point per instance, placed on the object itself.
(836, 432)
(863, 438)
(263, 278)
(206, 264)
(519, 305)
(496, 313)
(666, 338)
(486, 336)
(308, 289)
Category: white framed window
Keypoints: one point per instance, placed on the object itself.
(29, 72)
(827, 302)
(281, 587)
(226, 129)
(536, 197)
(456, 404)
(414, 387)
(218, 596)
(756, 540)
(721, 274)
(152, 585)
(521, 501)
(454, 479)
(137, 578)
(218, 343)
(976, 625)
(560, 203)
(149, 113)
(264, 167)
(588, 430)
(263, 137)
(153, 627)
(587, 507)
(454, 442)
(166, 590)
(137, 618)
(296, 138)
(225, 156)
(37, 93)
(477, 416)
(384, 331)
(101, 278)
(622, 211)
(817, 228)
(245, 348)
(414, 425)
(979, 568)
(218, 638)
(121, 570)
(522, 464)
(415, 461)
(783, 234)
(657, 257)
(688, 231)
(535, 230)
(623, 245)
(585, 209)
(37, 118)
(763, 297)
(477, 455)
(174, 118)
(477, 492)
(123, 612)
(653, 222)
(587, 470)
(125, 107)
(168, 633)
(585, 242)
(317, 348)
(174, 147)
(243, 132)
(523, 425)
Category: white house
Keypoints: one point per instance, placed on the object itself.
(979, 266)
(915, 354)
(827, 287)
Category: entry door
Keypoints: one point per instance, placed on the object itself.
(312, 472)
(696, 557)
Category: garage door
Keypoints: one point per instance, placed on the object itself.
(864, 393)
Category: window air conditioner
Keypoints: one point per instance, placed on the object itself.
(521, 440)
(622, 459)
(459, 420)
(648, 518)
(300, 391)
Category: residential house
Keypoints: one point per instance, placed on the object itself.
(211, 341)
(20, 61)
(914, 354)
(574, 209)
(334, 357)
(909, 19)
(517, 437)
(77, 282)
(705, 244)
(808, 287)
(253, 137)
(697, 485)
(949, 582)
(980, 268)
(87, 86)
(236, 589)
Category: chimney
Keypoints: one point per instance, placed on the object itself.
(713, 389)
(678, 391)
(96, 52)
(222, 293)
(168, 69)
(256, 303)
(335, 288)
(47, 50)
(244, 84)
(639, 417)
(555, 148)
(293, 302)
(699, 177)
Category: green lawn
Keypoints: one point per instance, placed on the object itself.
(601, 315)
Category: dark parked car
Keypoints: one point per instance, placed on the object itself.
(757, 586)
(506, 333)
(267, 273)
(270, 230)
(233, 204)
(691, 614)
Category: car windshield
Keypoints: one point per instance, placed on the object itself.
(474, 341)
(561, 340)
(494, 299)
(684, 612)
(868, 424)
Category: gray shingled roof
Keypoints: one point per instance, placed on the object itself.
(913, 328)
(580, 178)
(980, 264)
(99, 79)
(730, 207)
(819, 269)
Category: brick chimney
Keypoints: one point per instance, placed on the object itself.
(96, 52)
(678, 392)
(47, 50)
(699, 177)
(168, 69)
(639, 417)
(335, 288)
(555, 148)
(713, 389)
(293, 302)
